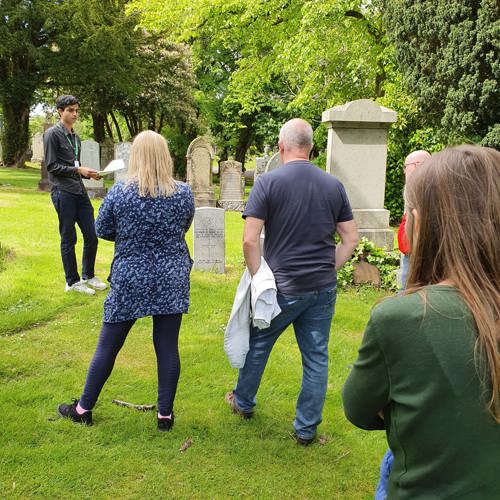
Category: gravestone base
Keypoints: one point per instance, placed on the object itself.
(377, 218)
(204, 199)
(232, 205)
(381, 237)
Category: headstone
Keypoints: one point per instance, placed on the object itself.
(260, 163)
(43, 183)
(90, 157)
(37, 148)
(232, 186)
(274, 162)
(208, 239)
(365, 273)
(357, 154)
(107, 148)
(199, 172)
(122, 152)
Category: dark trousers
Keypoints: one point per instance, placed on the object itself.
(75, 209)
(165, 339)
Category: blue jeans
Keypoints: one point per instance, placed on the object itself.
(385, 471)
(75, 209)
(405, 266)
(311, 315)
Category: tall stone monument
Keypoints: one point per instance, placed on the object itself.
(274, 162)
(199, 172)
(209, 239)
(122, 152)
(357, 154)
(90, 157)
(232, 187)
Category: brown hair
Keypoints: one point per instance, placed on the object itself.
(150, 165)
(456, 194)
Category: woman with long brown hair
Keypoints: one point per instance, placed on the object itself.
(147, 217)
(428, 370)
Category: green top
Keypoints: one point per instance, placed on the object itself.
(416, 362)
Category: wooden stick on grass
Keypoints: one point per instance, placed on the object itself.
(132, 405)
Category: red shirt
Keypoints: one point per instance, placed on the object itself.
(403, 243)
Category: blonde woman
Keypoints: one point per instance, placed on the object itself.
(428, 370)
(147, 217)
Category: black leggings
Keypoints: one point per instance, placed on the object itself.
(165, 338)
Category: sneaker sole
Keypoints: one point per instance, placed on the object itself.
(69, 418)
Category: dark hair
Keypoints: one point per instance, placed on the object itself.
(63, 101)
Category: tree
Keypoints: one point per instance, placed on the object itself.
(448, 53)
(269, 60)
(25, 45)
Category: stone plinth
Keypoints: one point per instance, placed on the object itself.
(209, 239)
(357, 154)
(199, 172)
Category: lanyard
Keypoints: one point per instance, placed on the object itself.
(75, 147)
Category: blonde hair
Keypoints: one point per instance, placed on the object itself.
(150, 165)
(456, 194)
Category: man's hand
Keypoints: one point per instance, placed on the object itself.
(89, 173)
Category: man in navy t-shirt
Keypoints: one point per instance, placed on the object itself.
(302, 208)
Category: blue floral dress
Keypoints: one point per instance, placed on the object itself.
(151, 265)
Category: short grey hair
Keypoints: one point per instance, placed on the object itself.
(296, 134)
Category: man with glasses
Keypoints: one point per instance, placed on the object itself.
(62, 149)
(412, 161)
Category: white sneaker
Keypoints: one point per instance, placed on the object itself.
(80, 287)
(96, 283)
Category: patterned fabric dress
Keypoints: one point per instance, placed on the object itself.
(151, 265)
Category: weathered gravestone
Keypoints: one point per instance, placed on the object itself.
(199, 172)
(357, 154)
(208, 239)
(122, 152)
(274, 162)
(90, 157)
(43, 183)
(37, 148)
(231, 186)
(260, 163)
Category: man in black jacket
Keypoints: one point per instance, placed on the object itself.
(62, 158)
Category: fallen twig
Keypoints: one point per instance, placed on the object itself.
(132, 405)
(186, 445)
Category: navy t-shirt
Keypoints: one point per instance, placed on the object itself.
(301, 206)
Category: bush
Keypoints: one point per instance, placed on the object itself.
(386, 262)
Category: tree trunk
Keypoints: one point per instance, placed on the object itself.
(16, 132)
(108, 128)
(244, 139)
(117, 127)
(98, 124)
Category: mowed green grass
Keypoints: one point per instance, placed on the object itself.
(47, 338)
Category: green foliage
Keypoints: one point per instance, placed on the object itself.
(448, 52)
(386, 262)
(260, 63)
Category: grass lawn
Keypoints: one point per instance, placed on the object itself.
(47, 338)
